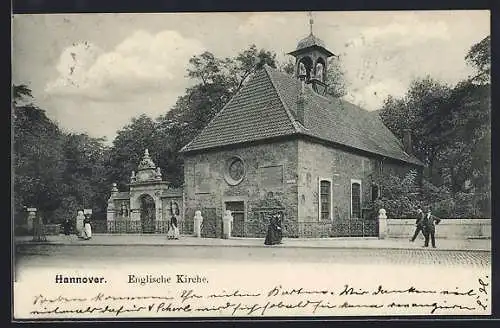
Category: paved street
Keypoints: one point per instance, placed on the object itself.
(348, 242)
(73, 255)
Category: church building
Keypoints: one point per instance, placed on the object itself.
(281, 144)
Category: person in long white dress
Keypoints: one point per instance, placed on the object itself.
(87, 228)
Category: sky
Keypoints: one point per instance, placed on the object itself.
(92, 73)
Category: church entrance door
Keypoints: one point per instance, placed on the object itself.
(148, 214)
(238, 212)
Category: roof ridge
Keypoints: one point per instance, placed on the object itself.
(218, 114)
(296, 127)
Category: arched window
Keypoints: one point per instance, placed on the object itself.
(356, 199)
(308, 65)
(320, 70)
(325, 199)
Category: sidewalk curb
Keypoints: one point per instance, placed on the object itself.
(284, 246)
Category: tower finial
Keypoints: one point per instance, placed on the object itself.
(311, 22)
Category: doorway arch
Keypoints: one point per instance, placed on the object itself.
(148, 213)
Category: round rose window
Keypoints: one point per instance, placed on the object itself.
(235, 170)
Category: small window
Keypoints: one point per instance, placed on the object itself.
(356, 199)
(325, 199)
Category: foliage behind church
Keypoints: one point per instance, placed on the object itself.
(60, 172)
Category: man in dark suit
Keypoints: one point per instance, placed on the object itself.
(430, 228)
(419, 223)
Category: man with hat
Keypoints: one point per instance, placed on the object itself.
(429, 227)
(419, 224)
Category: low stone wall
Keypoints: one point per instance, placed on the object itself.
(447, 228)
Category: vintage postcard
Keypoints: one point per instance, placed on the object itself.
(229, 165)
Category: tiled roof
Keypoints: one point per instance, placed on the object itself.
(255, 112)
(266, 106)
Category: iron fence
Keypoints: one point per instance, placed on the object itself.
(251, 228)
(129, 226)
(316, 229)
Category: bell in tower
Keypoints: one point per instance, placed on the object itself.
(311, 60)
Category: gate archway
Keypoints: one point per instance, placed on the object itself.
(148, 213)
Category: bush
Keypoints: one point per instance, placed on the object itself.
(401, 196)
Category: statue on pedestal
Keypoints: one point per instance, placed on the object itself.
(158, 173)
(198, 220)
(38, 229)
(227, 221)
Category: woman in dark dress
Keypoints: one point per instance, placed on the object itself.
(279, 227)
(173, 230)
(274, 232)
(67, 226)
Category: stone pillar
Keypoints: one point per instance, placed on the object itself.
(111, 211)
(382, 224)
(227, 221)
(198, 220)
(79, 222)
(110, 215)
(31, 218)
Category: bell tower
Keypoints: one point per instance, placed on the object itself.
(311, 60)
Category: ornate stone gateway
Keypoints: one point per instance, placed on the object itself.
(149, 204)
(148, 216)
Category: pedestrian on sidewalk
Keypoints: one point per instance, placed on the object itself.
(274, 231)
(173, 230)
(430, 222)
(87, 228)
(67, 227)
(419, 224)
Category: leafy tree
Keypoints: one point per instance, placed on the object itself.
(216, 81)
(419, 111)
(85, 184)
(37, 156)
(21, 92)
(479, 57)
(337, 85)
(128, 148)
(451, 132)
(56, 172)
(288, 67)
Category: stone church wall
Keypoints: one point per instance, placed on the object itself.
(269, 185)
(341, 168)
(319, 161)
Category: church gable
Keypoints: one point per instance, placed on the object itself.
(338, 121)
(254, 113)
(274, 104)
